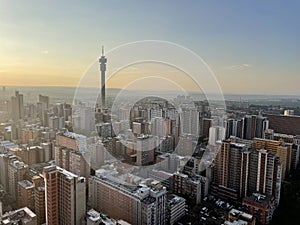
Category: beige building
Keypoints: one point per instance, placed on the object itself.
(16, 172)
(30, 155)
(128, 197)
(73, 161)
(279, 148)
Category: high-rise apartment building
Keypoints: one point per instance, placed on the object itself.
(248, 127)
(4, 162)
(265, 174)
(189, 121)
(195, 188)
(65, 196)
(145, 148)
(30, 155)
(231, 171)
(284, 151)
(175, 208)
(216, 133)
(39, 199)
(69, 153)
(254, 126)
(16, 172)
(26, 194)
(240, 172)
(128, 197)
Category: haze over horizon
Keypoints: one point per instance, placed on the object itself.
(252, 47)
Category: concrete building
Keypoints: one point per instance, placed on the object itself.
(231, 171)
(104, 130)
(216, 133)
(128, 197)
(260, 206)
(284, 151)
(194, 188)
(96, 218)
(237, 217)
(284, 124)
(39, 199)
(26, 194)
(145, 148)
(65, 196)
(175, 209)
(189, 121)
(160, 127)
(254, 126)
(22, 216)
(265, 174)
(30, 155)
(4, 162)
(16, 172)
(17, 106)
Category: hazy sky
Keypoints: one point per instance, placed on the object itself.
(252, 46)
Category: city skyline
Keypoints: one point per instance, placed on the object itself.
(149, 112)
(247, 45)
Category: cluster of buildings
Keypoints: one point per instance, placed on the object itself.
(63, 164)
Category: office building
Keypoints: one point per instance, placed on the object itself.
(17, 106)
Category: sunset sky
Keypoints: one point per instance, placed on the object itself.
(252, 46)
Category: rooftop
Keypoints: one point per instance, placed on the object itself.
(26, 184)
(23, 215)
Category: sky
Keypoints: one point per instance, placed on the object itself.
(251, 46)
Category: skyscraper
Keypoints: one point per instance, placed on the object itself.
(17, 106)
(254, 126)
(65, 196)
(265, 174)
(103, 61)
(279, 148)
(231, 171)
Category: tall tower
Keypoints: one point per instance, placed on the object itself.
(103, 61)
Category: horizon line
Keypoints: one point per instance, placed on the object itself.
(189, 91)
